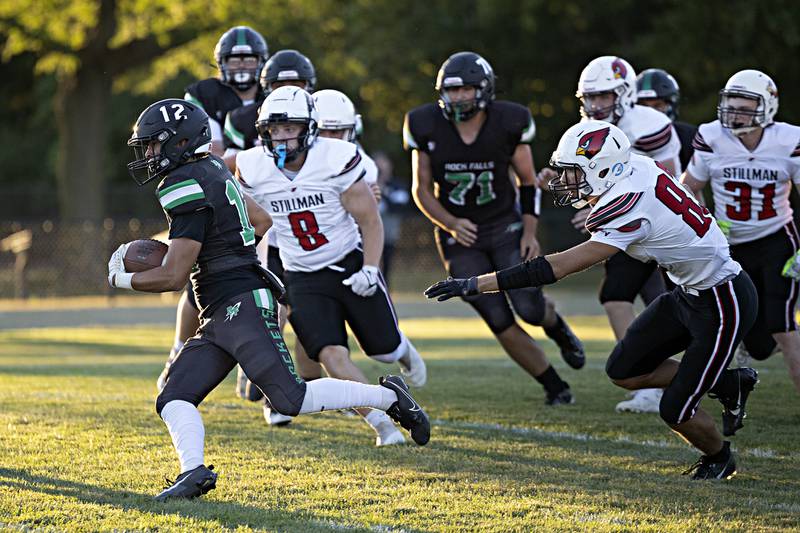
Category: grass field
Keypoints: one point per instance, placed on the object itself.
(82, 449)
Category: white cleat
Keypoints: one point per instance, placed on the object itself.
(413, 370)
(274, 418)
(388, 434)
(642, 401)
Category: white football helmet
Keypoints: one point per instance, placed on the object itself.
(754, 85)
(337, 112)
(288, 104)
(590, 158)
(607, 74)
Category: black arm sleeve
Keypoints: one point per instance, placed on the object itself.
(189, 225)
(533, 273)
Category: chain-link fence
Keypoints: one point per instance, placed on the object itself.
(47, 258)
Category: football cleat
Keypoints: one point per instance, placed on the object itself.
(571, 347)
(642, 401)
(190, 484)
(414, 372)
(274, 418)
(733, 412)
(707, 468)
(562, 398)
(406, 411)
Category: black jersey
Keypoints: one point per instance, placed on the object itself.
(240, 127)
(472, 181)
(202, 201)
(215, 97)
(685, 133)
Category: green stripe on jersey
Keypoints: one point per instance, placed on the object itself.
(180, 193)
(190, 98)
(263, 298)
(233, 134)
(528, 133)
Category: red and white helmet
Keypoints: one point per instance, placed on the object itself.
(337, 112)
(598, 152)
(754, 85)
(607, 74)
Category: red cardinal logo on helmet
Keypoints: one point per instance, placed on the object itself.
(619, 69)
(592, 142)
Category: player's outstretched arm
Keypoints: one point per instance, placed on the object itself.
(174, 273)
(542, 270)
(463, 230)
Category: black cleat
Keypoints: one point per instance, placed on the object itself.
(571, 347)
(562, 398)
(707, 468)
(190, 484)
(406, 411)
(733, 412)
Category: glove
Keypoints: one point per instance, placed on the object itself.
(792, 267)
(451, 288)
(117, 277)
(725, 226)
(364, 282)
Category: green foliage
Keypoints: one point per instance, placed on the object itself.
(385, 54)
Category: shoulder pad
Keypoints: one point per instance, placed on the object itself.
(179, 194)
(516, 120)
(203, 91)
(419, 126)
(615, 208)
(789, 138)
(649, 129)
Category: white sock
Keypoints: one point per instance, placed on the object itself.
(188, 434)
(375, 419)
(327, 394)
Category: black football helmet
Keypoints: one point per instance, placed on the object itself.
(460, 69)
(658, 83)
(288, 65)
(241, 41)
(170, 122)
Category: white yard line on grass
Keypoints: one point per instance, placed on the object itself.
(763, 453)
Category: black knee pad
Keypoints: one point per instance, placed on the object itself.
(164, 399)
(286, 400)
(670, 408)
(531, 308)
(613, 369)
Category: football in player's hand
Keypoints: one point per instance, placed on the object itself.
(144, 254)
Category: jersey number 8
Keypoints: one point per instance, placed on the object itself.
(305, 228)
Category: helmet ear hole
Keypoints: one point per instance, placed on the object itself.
(602, 173)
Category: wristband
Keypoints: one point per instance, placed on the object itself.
(122, 280)
(530, 199)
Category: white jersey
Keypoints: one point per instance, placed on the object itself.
(370, 167)
(312, 227)
(751, 189)
(651, 217)
(651, 134)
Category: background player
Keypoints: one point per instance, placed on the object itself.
(240, 55)
(215, 228)
(314, 189)
(461, 152)
(751, 161)
(638, 207)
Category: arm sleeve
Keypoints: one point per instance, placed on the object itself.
(623, 236)
(698, 166)
(189, 225)
(794, 161)
(412, 140)
(528, 129)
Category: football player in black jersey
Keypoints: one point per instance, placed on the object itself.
(287, 67)
(462, 150)
(240, 55)
(658, 89)
(213, 229)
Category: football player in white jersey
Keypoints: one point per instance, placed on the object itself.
(607, 91)
(322, 209)
(751, 162)
(638, 207)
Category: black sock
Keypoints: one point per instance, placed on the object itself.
(551, 381)
(723, 454)
(727, 385)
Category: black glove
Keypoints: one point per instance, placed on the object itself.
(452, 287)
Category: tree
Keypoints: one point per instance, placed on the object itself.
(88, 45)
